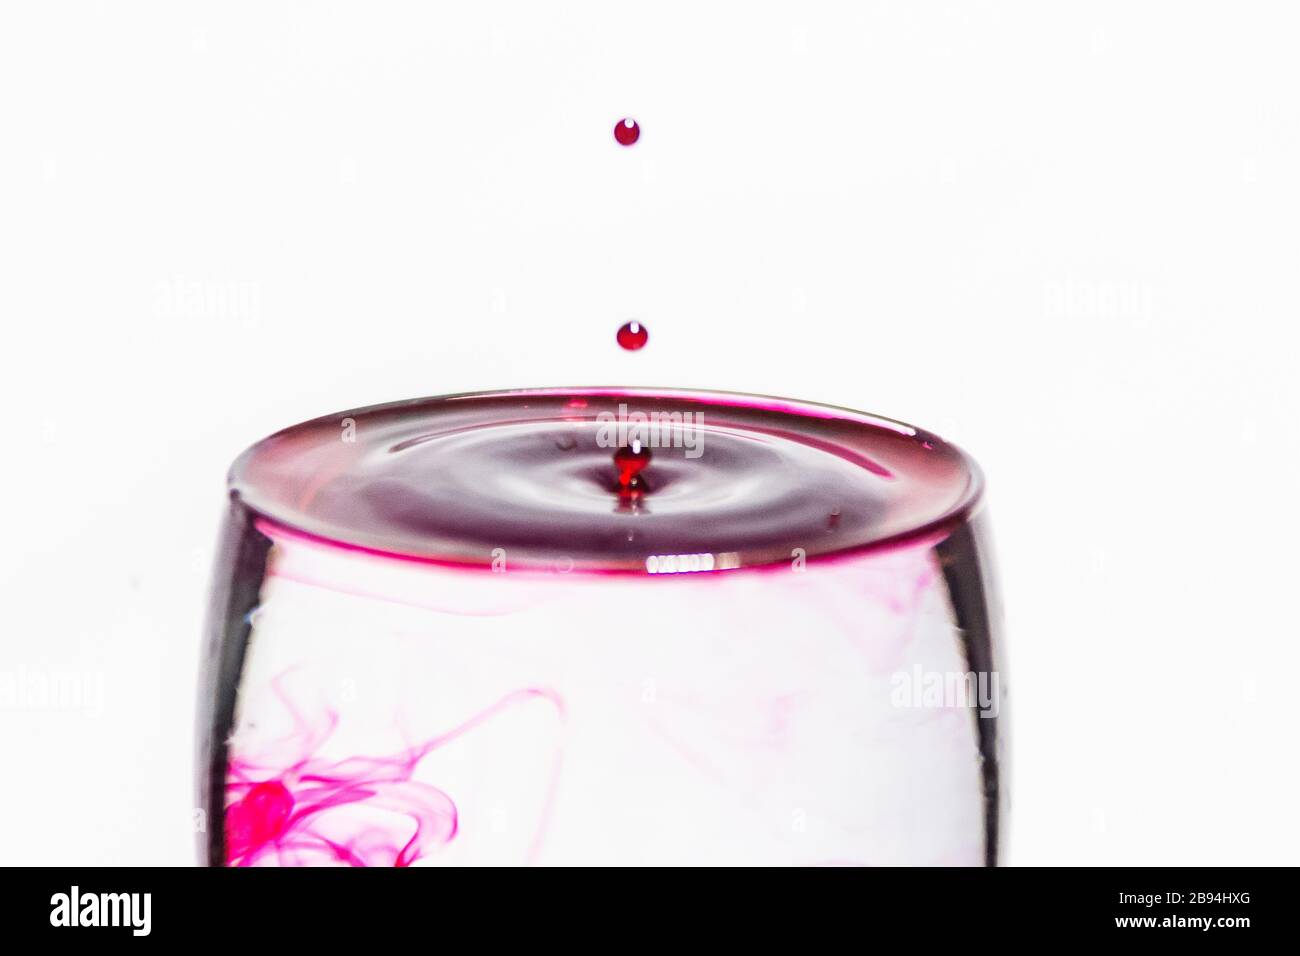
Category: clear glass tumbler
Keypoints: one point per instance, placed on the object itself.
(603, 626)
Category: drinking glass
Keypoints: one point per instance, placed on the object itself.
(603, 626)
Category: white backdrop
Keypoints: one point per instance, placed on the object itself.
(1064, 236)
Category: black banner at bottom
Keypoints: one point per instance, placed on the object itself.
(331, 906)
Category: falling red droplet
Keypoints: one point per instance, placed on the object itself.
(633, 335)
(630, 462)
(626, 131)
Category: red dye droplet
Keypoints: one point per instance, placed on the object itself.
(626, 131)
(633, 335)
(630, 462)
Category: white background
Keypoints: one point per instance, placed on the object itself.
(1063, 235)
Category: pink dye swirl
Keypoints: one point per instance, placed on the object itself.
(289, 807)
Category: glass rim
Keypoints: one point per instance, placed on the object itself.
(936, 528)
